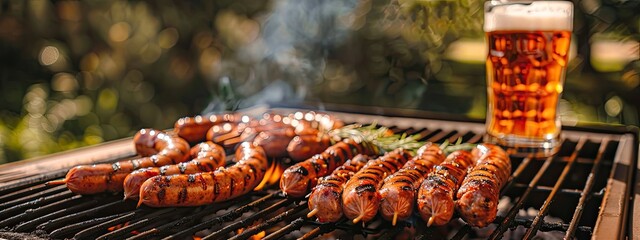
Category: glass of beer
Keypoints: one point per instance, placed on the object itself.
(526, 64)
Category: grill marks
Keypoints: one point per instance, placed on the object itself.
(207, 157)
(157, 149)
(436, 194)
(220, 185)
(360, 199)
(325, 200)
(398, 190)
(479, 193)
(300, 178)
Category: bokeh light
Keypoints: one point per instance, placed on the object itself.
(75, 73)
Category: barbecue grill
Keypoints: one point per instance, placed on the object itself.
(585, 191)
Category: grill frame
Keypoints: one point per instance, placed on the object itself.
(615, 210)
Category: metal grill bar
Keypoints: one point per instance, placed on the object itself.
(99, 228)
(22, 193)
(322, 229)
(545, 207)
(89, 213)
(28, 181)
(179, 224)
(70, 229)
(224, 218)
(31, 213)
(562, 190)
(31, 199)
(256, 229)
(587, 190)
(145, 222)
(294, 225)
(245, 222)
(502, 227)
(32, 224)
(35, 203)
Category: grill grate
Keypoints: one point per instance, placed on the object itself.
(558, 196)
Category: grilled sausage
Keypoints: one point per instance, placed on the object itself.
(223, 131)
(321, 121)
(275, 141)
(399, 190)
(437, 192)
(325, 200)
(194, 129)
(207, 156)
(302, 147)
(163, 149)
(297, 180)
(205, 188)
(360, 198)
(480, 191)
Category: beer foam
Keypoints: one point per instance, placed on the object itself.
(528, 16)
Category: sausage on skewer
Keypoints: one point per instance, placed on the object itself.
(360, 198)
(299, 179)
(399, 190)
(480, 191)
(437, 192)
(325, 200)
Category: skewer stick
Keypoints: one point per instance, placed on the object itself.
(395, 218)
(312, 213)
(56, 182)
(356, 220)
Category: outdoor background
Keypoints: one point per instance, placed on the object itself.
(77, 73)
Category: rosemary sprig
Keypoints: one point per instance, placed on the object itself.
(380, 136)
(385, 140)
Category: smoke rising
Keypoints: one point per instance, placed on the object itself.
(287, 58)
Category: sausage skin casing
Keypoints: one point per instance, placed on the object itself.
(159, 147)
(299, 179)
(437, 192)
(399, 189)
(480, 191)
(194, 129)
(207, 156)
(205, 188)
(302, 147)
(325, 199)
(360, 198)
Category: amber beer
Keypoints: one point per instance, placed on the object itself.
(528, 46)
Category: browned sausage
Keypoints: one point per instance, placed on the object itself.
(480, 191)
(205, 188)
(325, 200)
(91, 179)
(224, 131)
(251, 132)
(194, 129)
(398, 190)
(437, 192)
(297, 180)
(275, 141)
(207, 156)
(316, 120)
(302, 147)
(360, 198)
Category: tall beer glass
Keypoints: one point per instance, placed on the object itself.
(528, 48)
